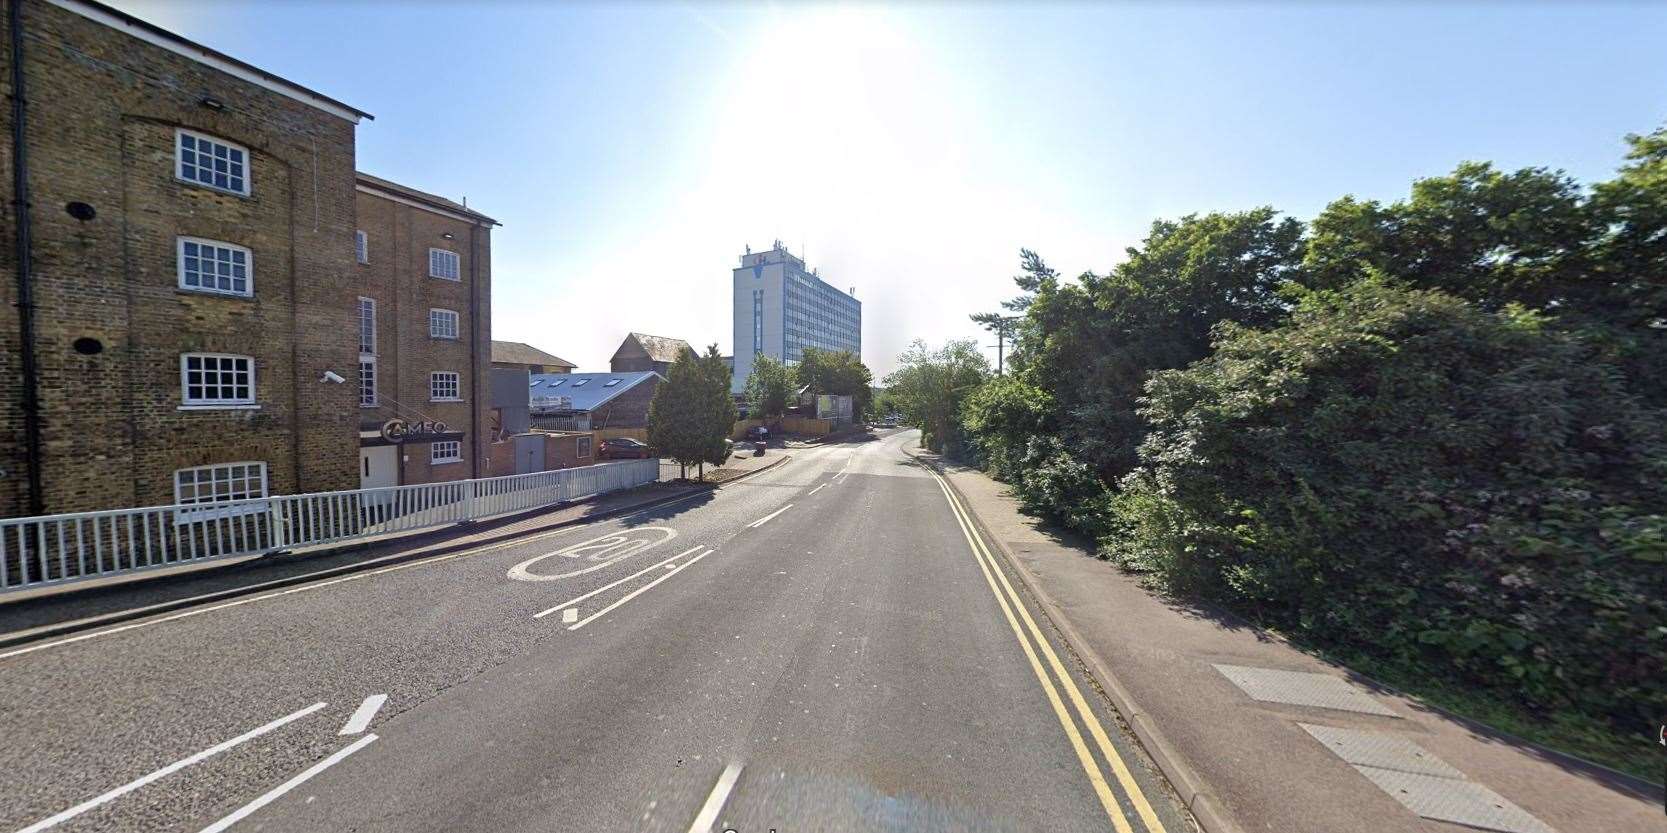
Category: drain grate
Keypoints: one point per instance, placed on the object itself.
(1452, 800)
(1376, 749)
(1299, 688)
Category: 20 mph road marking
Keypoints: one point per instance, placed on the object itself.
(362, 716)
(767, 518)
(169, 770)
(714, 805)
(277, 792)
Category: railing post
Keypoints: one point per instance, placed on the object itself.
(474, 497)
(274, 523)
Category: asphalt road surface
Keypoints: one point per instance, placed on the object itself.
(823, 646)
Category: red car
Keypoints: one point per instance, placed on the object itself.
(625, 448)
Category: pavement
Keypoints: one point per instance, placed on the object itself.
(1322, 749)
(828, 644)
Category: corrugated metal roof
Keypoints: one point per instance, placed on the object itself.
(587, 391)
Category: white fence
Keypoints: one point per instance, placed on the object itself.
(51, 549)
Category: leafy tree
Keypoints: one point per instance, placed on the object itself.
(692, 412)
(836, 373)
(1002, 415)
(930, 385)
(769, 387)
(1468, 493)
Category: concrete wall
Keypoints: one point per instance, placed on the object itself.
(103, 109)
(509, 398)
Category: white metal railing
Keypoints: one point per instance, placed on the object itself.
(51, 549)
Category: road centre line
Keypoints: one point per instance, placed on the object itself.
(988, 563)
(277, 792)
(817, 489)
(637, 592)
(362, 716)
(714, 805)
(570, 602)
(767, 518)
(321, 584)
(168, 770)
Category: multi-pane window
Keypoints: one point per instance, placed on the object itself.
(367, 381)
(221, 483)
(361, 246)
(443, 264)
(217, 379)
(584, 446)
(443, 386)
(213, 266)
(367, 325)
(442, 323)
(211, 162)
(445, 451)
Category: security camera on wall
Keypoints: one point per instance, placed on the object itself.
(332, 376)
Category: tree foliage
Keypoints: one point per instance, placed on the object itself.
(769, 387)
(692, 412)
(930, 385)
(836, 373)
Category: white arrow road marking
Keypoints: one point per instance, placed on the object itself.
(611, 585)
(168, 770)
(277, 792)
(767, 518)
(715, 802)
(635, 593)
(362, 716)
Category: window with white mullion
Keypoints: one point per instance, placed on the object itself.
(367, 381)
(445, 451)
(444, 386)
(361, 246)
(444, 264)
(218, 164)
(367, 326)
(442, 323)
(216, 379)
(215, 266)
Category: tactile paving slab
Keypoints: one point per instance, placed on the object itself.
(1376, 749)
(1453, 800)
(1300, 688)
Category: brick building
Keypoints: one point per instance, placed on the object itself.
(640, 351)
(522, 356)
(424, 335)
(188, 225)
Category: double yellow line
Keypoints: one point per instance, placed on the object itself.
(1031, 638)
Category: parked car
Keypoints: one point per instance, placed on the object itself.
(625, 448)
(758, 433)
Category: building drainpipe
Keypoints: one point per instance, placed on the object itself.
(474, 352)
(25, 290)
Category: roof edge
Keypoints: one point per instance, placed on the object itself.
(389, 189)
(208, 56)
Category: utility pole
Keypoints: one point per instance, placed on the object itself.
(1001, 325)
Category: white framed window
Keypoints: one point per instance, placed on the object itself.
(367, 381)
(442, 323)
(218, 164)
(216, 380)
(444, 264)
(215, 266)
(443, 386)
(445, 451)
(219, 484)
(367, 325)
(361, 246)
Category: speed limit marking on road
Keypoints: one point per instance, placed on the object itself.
(596, 553)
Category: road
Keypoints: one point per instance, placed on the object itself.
(823, 646)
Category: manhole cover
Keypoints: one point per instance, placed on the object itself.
(1449, 799)
(1380, 750)
(1300, 688)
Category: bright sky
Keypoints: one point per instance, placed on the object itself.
(910, 150)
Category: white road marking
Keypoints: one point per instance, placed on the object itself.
(605, 550)
(767, 518)
(569, 616)
(635, 593)
(817, 489)
(715, 802)
(362, 716)
(277, 792)
(168, 770)
(611, 585)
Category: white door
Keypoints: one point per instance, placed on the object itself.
(378, 466)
